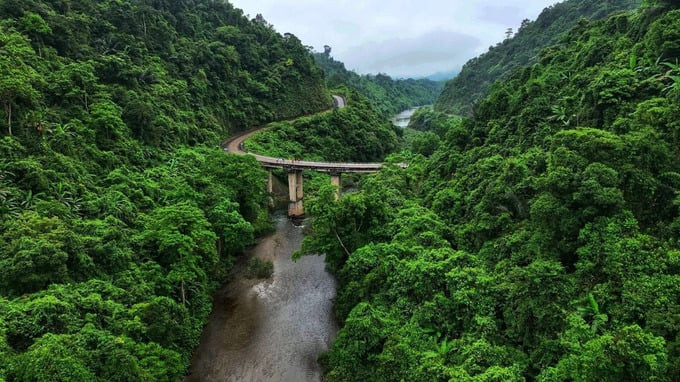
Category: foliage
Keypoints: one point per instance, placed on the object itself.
(389, 96)
(538, 240)
(355, 133)
(164, 64)
(462, 93)
(119, 214)
(259, 269)
(430, 120)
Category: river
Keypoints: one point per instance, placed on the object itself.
(274, 329)
(402, 119)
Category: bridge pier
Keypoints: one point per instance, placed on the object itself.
(296, 190)
(336, 180)
(270, 188)
(295, 194)
(270, 182)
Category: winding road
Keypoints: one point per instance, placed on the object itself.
(235, 146)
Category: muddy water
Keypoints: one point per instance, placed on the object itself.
(274, 329)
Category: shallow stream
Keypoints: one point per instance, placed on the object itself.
(273, 329)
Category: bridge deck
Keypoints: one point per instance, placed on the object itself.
(235, 146)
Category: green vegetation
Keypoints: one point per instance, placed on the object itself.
(164, 63)
(355, 133)
(389, 96)
(461, 94)
(426, 119)
(259, 269)
(119, 215)
(426, 130)
(539, 241)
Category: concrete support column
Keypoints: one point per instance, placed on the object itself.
(295, 194)
(270, 182)
(299, 190)
(336, 180)
(270, 188)
(292, 186)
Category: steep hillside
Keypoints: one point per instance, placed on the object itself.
(119, 215)
(388, 95)
(355, 133)
(540, 241)
(179, 70)
(475, 79)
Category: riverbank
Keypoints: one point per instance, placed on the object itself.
(272, 329)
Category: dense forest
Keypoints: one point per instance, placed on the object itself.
(119, 215)
(472, 84)
(539, 240)
(355, 133)
(389, 96)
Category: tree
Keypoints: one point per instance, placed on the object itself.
(36, 27)
(234, 232)
(508, 33)
(628, 354)
(37, 252)
(180, 239)
(52, 358)
(17, 76)
(74, 83)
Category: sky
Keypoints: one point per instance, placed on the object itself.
(402, 38)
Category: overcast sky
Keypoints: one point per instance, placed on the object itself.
(403, 38)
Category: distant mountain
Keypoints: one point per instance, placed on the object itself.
(442, 76)
(475, 79)
(389, 95)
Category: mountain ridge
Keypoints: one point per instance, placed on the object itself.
(461, 93)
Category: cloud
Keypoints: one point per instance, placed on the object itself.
(397, 37)
(412, 56)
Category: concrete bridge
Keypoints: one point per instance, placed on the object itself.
(295, 168)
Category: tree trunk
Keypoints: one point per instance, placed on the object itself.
(341, 243)
(8, 111)
(184, 298)
(144, 23)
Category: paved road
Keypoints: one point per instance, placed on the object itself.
(339, 101)
(235, 146)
